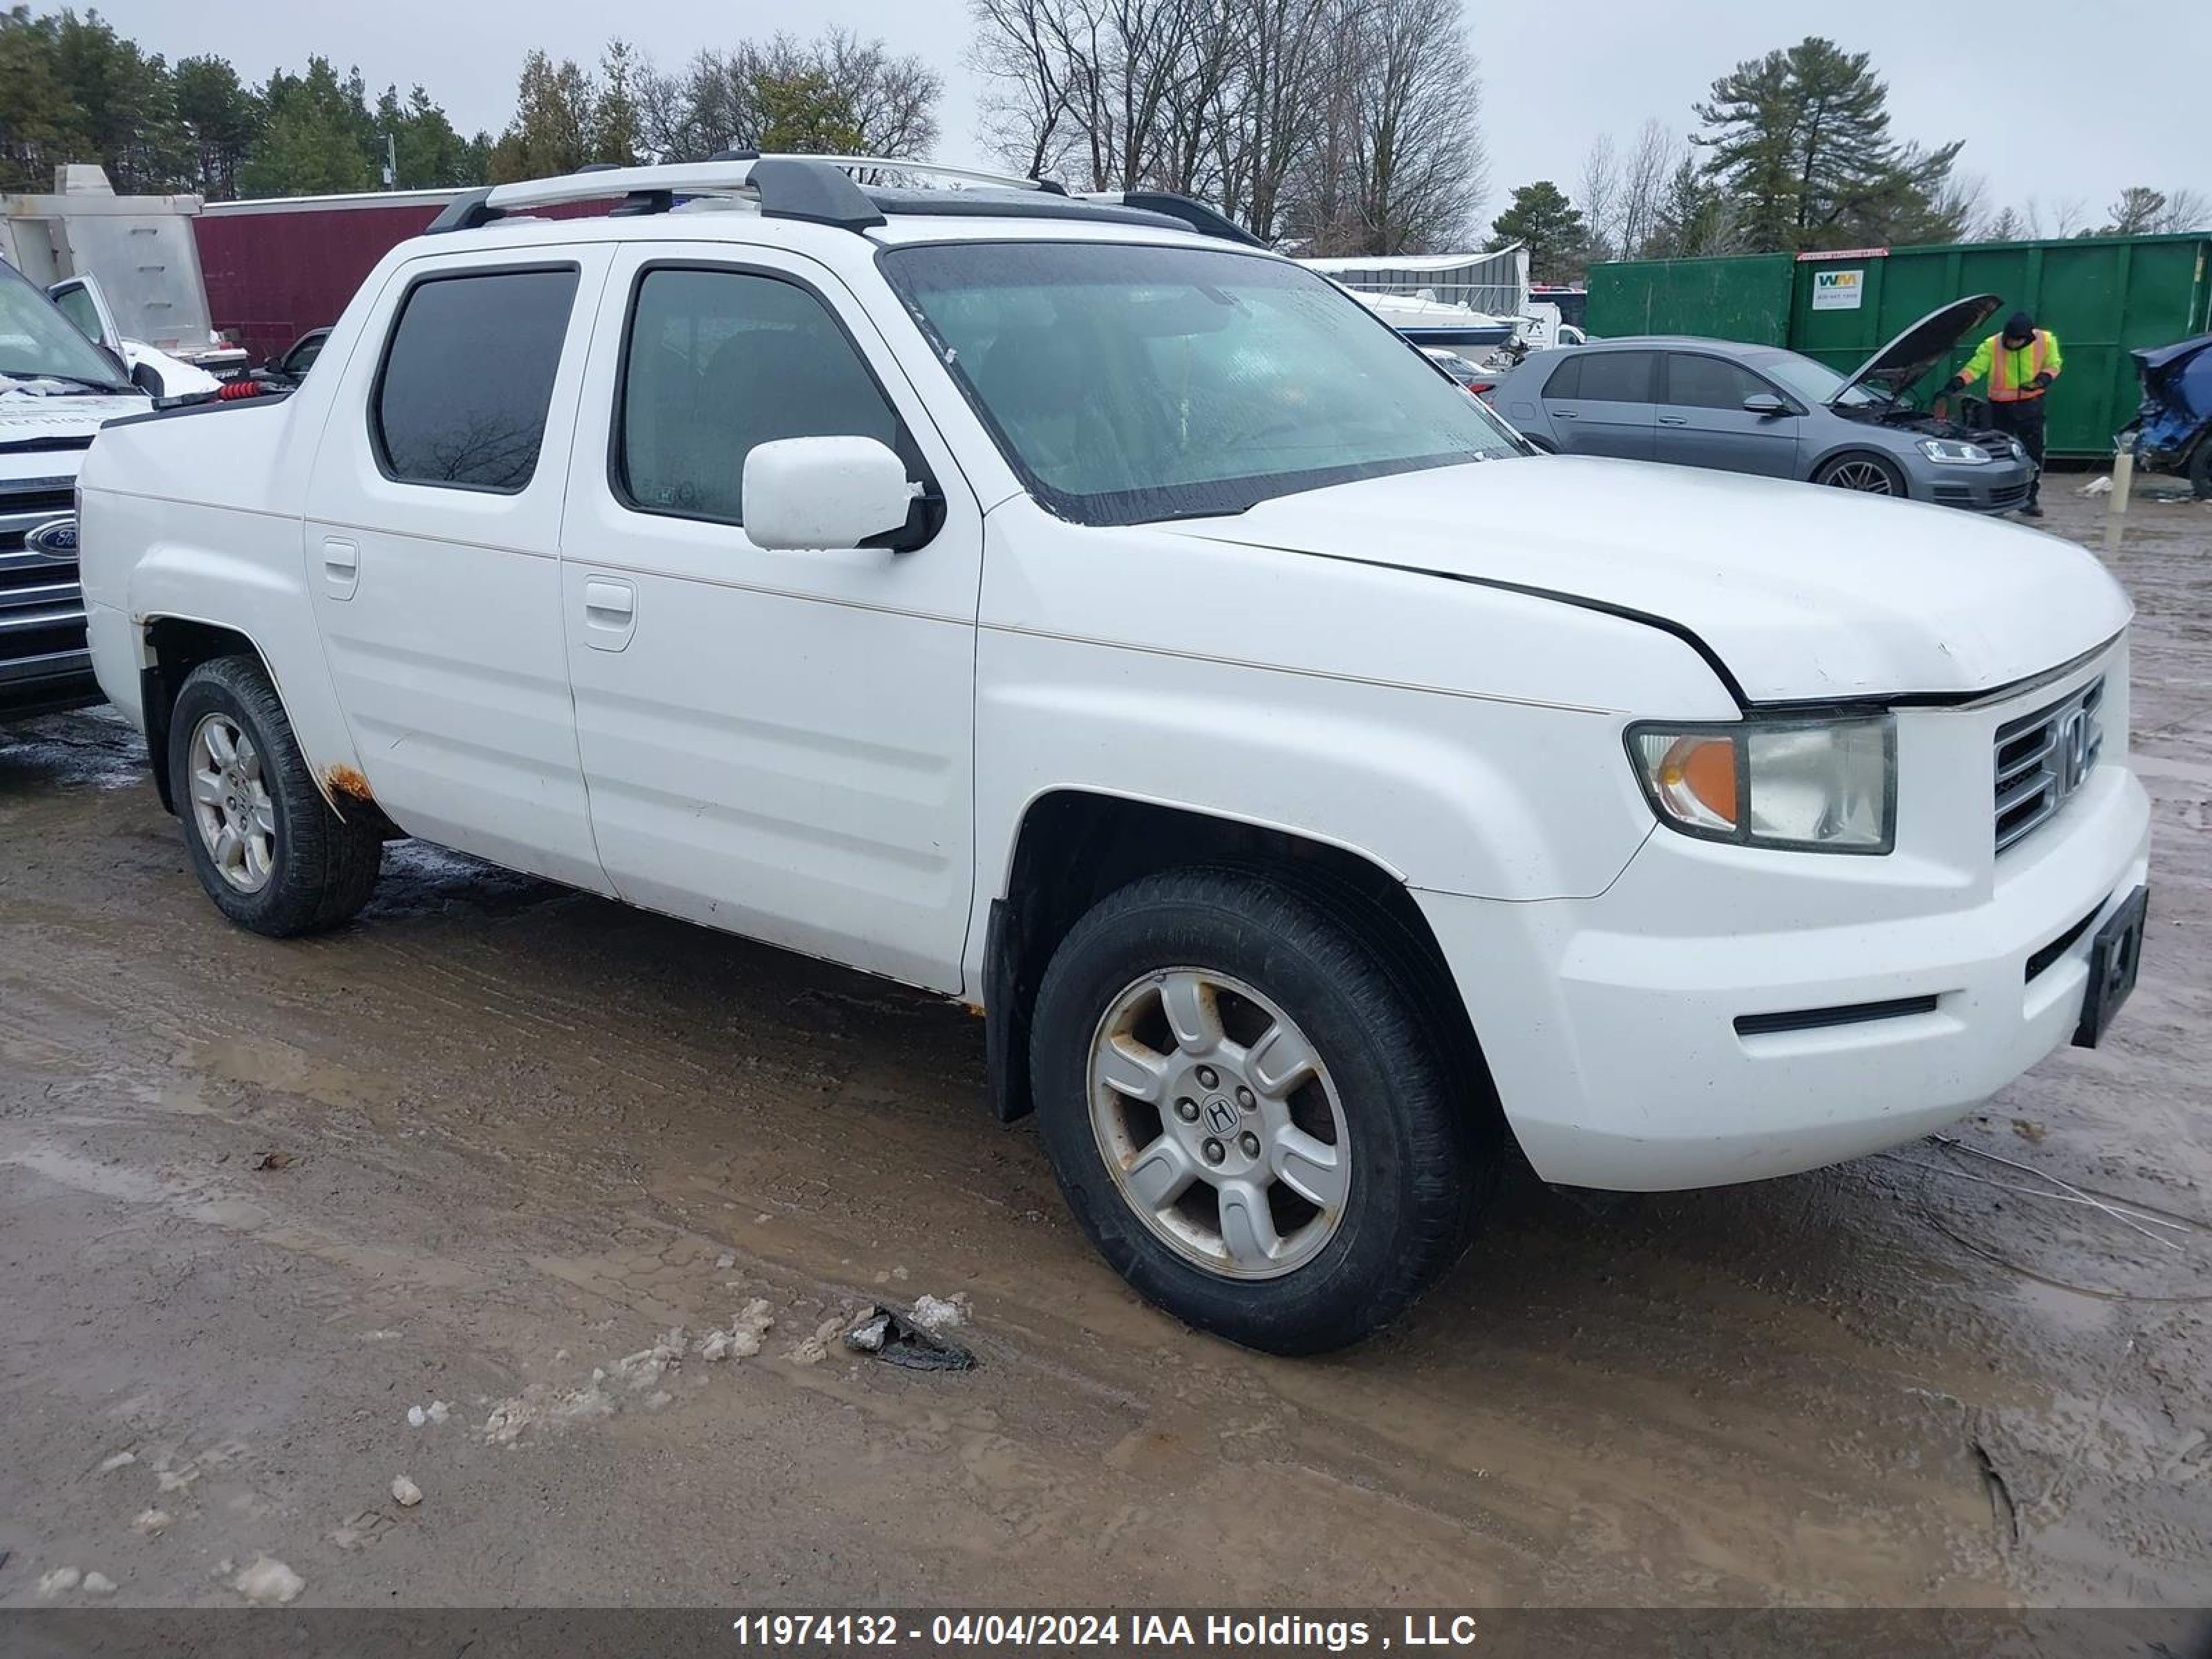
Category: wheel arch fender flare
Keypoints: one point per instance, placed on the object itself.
(173, 644)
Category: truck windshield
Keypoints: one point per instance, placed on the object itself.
(36, 341)
(1128, 384)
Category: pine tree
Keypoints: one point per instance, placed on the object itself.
(1800, 140)
(552, 129)
(221, 117)
(1692, 219)
(318, 137)
(39, 124)
(1541, 216)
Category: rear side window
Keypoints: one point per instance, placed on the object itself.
(1566, 379)
(719, 362)
(468, 377)
(1709, 382)
(1616, 377)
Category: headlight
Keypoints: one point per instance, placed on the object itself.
(1954, 453)
(1816, 786)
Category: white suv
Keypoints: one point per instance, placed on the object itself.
(1114, 627)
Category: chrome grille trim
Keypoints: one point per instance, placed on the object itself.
(2041, 759)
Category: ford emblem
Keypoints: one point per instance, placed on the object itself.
(54, 539)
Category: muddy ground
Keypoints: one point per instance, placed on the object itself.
(258, 1199)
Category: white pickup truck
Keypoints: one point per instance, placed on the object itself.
(1107, 623)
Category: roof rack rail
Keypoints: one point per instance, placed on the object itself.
(817, 189)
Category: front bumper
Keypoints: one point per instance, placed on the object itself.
(1611, 1024)
(1999, 487)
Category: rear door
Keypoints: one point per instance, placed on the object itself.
(1600, 403)
(1703, 421)
(433, 552)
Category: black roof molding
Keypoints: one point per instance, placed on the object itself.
(814, 193)
(1193, 215)
(467, 212)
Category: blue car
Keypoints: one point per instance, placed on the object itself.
(2172, 431)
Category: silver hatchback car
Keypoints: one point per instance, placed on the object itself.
(1762, 409)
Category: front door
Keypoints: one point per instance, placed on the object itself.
(1703, 421)
(776, 743)
(1600, 403)
(433, 553)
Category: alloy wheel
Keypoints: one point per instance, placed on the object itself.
(1219, 1124)
(1870, 478)
(231, 806)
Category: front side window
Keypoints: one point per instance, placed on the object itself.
(37, 340)
(1815, 382)
(1696, 382)
(468, 378)
(77, 305)
(718, 361)
(1128, 383)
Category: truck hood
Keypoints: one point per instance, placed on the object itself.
(29, 421)
(1796, 593)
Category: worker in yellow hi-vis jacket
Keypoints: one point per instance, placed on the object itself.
(2022, 363)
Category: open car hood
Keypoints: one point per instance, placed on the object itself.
(1920, 347)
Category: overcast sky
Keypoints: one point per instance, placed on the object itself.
(2056, 100)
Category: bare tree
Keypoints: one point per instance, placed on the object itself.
(1644, 178)
(1418, 167)
(2186, 210)
(1016, 51)
(1271, 106)
(1598, 194)
(893, 99)
(886, 103)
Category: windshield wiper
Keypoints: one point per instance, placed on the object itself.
(83, 381)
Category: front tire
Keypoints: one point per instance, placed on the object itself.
(1867, 474)
(2200, 469)
(1248, 1115)
(266, 847)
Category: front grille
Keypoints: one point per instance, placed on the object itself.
(41, 605)
(2044, 758)
(2010, 494)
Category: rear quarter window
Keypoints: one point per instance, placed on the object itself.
(467, 378)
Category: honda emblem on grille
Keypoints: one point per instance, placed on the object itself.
(2070, 763)
(54, 539)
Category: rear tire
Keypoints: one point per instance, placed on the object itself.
(266, 847)
(1867, 474)
(1327, 1196)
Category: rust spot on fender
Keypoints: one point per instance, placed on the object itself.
(348, 782)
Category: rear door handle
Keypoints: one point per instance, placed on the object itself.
(610, 612)
(1565, 415)
(341, 567)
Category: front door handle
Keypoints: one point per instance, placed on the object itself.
(610, 612)
(341, 567)
(1673, 420)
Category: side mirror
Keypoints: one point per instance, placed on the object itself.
(1765, 404)
(148, 380)
(808, 493)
